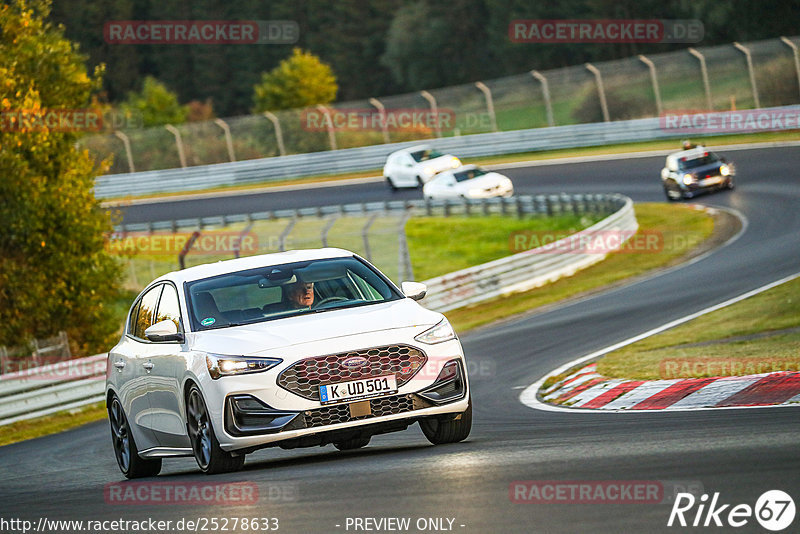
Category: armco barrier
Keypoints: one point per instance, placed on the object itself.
(70, 384)
(52, 388)
(524, 270)
(373, 157)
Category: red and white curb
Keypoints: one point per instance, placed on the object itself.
(589, 390)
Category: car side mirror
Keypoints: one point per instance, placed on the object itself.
(414, 290)
(164, 331)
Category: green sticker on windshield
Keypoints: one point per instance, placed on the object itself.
(208, 321)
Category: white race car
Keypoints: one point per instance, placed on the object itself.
(294, 349)
(415, 166)
(469, 181)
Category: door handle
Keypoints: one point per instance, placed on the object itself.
(119, 364)
(148, 365)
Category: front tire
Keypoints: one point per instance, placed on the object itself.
(420, 183)
(672, 194)
(125, 451)
(391, 185)
(209, 456)
(439, 431)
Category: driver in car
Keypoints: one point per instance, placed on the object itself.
(300, 294)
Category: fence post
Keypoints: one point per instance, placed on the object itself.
(704, 72)
(329, 120)
(327, 228)
(746, 51)
(63, 337)
(546, 93)
(600, 89)
(654, 80)
(382, 111)
(487, 93)
(228, 139)
(3, 358)
(793, 46)
(237, 247)
(286, 231)
(434, 111)
(178, 142)
(404, 270)
(365, 235)
(278, 132)
(126, 142)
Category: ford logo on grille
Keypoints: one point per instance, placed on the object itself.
(355, 361)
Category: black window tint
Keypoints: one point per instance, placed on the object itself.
(168, 307)
(132, 318)
(146, 311)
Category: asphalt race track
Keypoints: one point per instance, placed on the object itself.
(738, 453)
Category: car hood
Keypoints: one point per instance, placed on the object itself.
(269, 335)
(482, 182)
(442, 163)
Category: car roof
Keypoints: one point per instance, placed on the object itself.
(252, 262)
(416, 148)
(692, 153)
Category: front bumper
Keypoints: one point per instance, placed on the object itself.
(255, 412)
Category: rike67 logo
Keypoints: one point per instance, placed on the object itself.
(774, 510)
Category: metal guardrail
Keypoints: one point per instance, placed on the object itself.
(74, 383)
(52, 388)
(521, 206)
(528, 269)
(373, 157)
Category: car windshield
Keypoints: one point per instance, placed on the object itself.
(425, 155)
(286, 290)
(469, 174)
(706, 158)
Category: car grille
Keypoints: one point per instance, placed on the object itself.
(340, 413)
(304, 377)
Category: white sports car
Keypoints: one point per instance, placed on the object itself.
(294, 349)
(469, 181)
(415, 166)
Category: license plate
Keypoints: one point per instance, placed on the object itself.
(357, 389)
(711, 181)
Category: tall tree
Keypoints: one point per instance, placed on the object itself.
(54, 271)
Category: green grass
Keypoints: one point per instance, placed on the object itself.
(682, 227)
(769, 317)
(442, 245)
(52, 424)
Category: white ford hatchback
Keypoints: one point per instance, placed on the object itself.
(295, 349)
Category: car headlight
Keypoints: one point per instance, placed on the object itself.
(221, 365)
(437, 334)
(724, 170)
(456, 163)
(689, 178)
